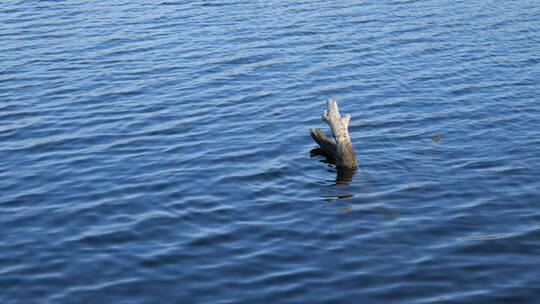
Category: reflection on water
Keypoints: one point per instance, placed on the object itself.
(486, 237)
(440, 299)
(340, 196)
(344, 209)
(343, 175)
(328, 159)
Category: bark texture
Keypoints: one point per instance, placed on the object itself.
(340, 147)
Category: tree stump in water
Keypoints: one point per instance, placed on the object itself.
(340, 148)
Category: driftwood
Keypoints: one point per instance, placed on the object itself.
(340, 148)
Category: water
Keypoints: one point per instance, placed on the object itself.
(158, 152)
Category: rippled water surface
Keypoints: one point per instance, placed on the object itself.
(158, 152)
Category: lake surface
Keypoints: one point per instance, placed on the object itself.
(158, 152)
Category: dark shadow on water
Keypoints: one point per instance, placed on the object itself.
(328, 159)
(344, 175)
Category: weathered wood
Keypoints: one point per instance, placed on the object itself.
(341, 147)
(327, 145)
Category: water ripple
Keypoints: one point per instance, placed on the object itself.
(158, 152)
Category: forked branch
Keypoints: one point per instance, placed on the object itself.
(340, 147)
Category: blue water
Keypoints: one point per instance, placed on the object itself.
(158, 152)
